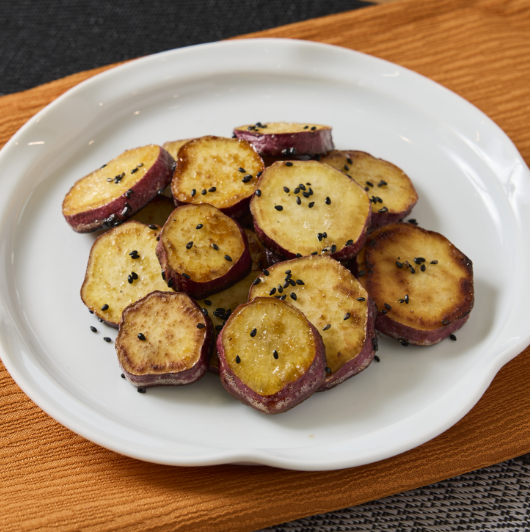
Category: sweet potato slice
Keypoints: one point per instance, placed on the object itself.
(122, 268)
(174, 146)
(202, 251)
(156, 212)
(334, 301)
(306, 207)
(164, 340)
(219, 171)
(275, 139)
(107, 197)
(421, 283)
(218, 307)
(391, 191)
(270, 357)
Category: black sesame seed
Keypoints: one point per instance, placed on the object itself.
(376, 358)
(238, 360)
(189, 245)
(383, 210)
(286, 190)
(298, 200)
(349, 160)
(218, 327)
(361, 273)
(310, 205)
(153, 227)
(105, 307)
(298, 255)
(207, 302)
(288, 164)
(122, 376)
(134, 257)
(130, 279)
(193, 192)
(384, 311)
(314, 253)
(134, 170)
(434, 262)
(291, 282)
(286, 284)
(91, 311)
(100, 320)
(212, 189)
(326, 327)
(170, 283)
(306, 127)
(93, 329)
(407, 299)
(204, 311)
(158, 238)
(310, 191)
(320, 237)
(347, 168)
(375, 343)
(141, 390)
(257, 281)
(299, 282)
(186, 276)
(306, 194)
(141, 337)
(215, 246)
(228, 258)
(129, 193)
(247, 178)
(333, 248)
(453, 337)
(412, 270)
(253, 332)
(275, 354)
(399, 264)
(280, 289)
(287, 272)
(164, 275)
(134, 252)
(293, 296)
(403, 342)
(313, 128)
(242, 170)
(296, 190)
(328, 201)
(301, 186)
(282, 298)
(200, 326)
(423, 268)
(203, 192)
(387, 306)
(445, 322)
(266, 273)
(328, 371)
(272, 291)
(361, 299)
(369, 183)
(412, 221)
(278, 207)
(349, 243)
(200, 226)
(347, 316)
(258, 192)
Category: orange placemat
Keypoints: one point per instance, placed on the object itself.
(54, 479)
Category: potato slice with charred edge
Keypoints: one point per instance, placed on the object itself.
(334, 301)
(275, 139)
(391, 191)
(202, 251)
(109, 196)
(164, 340)
(220, 306)
(270, 356)
(219, 171)
(116, 276)
(156, 212)
(421, 283)
(306, 207)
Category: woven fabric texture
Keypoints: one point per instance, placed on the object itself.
(43, 41)
(493, 498)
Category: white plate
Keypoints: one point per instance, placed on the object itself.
(473, 186)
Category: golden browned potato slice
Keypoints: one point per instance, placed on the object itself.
(112, 194)
(219, 171)
(164, 340)
(202, 251)
(306, 207)
(390, 190)
(270, 356)
(334, 302)
(122, 268)
(156, 212)
(276, 139)
(220, 306)
(422, 284)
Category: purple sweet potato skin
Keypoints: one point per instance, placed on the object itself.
(122, 208)
(290, 396)
(305, 142)
(388, 326)
(362, 360)
(197, 290)
(346, 253)
(171, 379)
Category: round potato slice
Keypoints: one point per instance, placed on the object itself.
(309, 208)
(334, 301)
(421, 283)
(202, 251)
(156, 212)
(276, 139)
(122, 268)
(164, 340)
(390, 190)
(107, 197)
(219, 171)
(270, 357)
